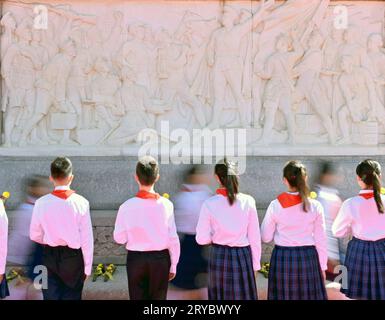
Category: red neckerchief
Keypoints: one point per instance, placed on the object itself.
(147, 195)
(288, 200)
(63, 194)
(367, 195)
(222, 192)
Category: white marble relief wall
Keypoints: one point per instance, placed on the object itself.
(103, 71)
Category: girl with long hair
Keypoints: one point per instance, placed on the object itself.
(229, 223)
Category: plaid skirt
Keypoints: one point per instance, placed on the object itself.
(295, 274)
(231, 274)
(365, 264)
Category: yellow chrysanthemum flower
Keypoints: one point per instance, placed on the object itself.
(6, 194)
(313, 195)
(382, 190)
(166, 195)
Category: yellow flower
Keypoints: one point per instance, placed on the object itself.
(6, 194)
(382, 190)
(166, 195)
(313, 195)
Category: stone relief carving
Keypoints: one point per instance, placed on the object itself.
(279, 69)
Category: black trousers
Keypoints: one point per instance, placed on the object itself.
(147, 274)
(65, 268)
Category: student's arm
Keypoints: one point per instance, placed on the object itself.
(173, 242)
(3, 238)
(254, 236)
(120, 233)
(268, 225)
(87, 240)
(36, 232)
(203, 236)
(342, 224)
(320, 237)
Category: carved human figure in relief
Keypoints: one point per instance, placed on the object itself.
(104, 87)
(19, 67)
(172, 61)
(8, 27)
(78, 80)
(332, 55)
(39, 135)
(51, 91)
(352, 46)
(309, 85)
(137, 109)
(223, 55)
(279, 71)
(376, 64)
(359, 95)
(136, 54)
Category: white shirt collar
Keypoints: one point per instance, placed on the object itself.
(197, 187)
(293, 193)
(326, 189)
(62, 188)
(365, 191)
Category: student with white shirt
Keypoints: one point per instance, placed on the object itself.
(363, 217)
(61, 222)
(331, 202)
(229, 222)
(191, 279)
(145, 224)
(296, 224)
(3, 241)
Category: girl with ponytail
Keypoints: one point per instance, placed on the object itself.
(363, 217)
(296, 224)
(229, 223)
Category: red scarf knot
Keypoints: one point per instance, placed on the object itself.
(288, 200)
(147, 195)
(222, 191)
(367, 195)
(63, 194)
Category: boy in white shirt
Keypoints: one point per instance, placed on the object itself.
(145, 224)
(61, 222)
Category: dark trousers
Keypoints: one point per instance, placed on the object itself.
(65, 268)
(147, 274)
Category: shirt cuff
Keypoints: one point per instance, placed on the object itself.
(87, 270)
(257, 266)
(173, 269)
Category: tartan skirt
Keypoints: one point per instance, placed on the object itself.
(231, 274)
(295, 274)
(365, 264)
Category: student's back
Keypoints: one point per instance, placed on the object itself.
(362, 217)
(67, 213)
(146, 223)
(292, 226)
(229, 223)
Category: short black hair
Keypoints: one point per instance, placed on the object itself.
(147, 170)
(61, 168)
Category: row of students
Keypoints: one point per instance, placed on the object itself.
(228, 221)
(296, 224)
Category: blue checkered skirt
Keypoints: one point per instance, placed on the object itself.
(295, 274)
(231, 274)
(365, 264)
